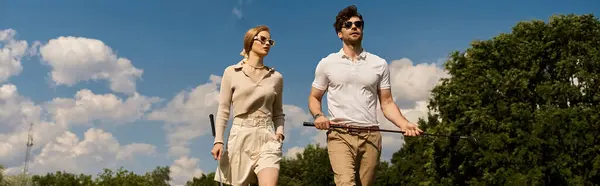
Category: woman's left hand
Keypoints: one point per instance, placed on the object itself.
(279, 137)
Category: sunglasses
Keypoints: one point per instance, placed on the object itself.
(349, 24)
(263, 40)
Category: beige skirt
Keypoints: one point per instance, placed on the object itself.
(251, 147)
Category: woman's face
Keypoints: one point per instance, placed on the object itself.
(262, 43)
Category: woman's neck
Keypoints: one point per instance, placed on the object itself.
(255, 61)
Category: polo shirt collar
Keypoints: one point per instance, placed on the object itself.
(361, 56)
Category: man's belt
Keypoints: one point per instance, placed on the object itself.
(359, 129)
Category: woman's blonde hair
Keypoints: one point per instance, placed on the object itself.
(249, 38)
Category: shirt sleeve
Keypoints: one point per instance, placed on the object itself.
(278, 115)
(321, 81)
(384, 81)
(223, 110)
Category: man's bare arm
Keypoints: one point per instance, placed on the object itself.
(392, 113)
(315, 101)
(314, 105)
(390, 109)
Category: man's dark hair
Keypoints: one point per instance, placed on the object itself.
(344, 15)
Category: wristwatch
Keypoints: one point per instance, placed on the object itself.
(317, 115)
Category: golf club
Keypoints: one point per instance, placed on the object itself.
(469, 138)
(212, 125)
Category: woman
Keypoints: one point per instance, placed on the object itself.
(253, 92)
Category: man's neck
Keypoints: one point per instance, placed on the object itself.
(352, 51)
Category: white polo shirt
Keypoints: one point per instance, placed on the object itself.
(352, 86)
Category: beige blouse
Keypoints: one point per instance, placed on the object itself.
(245, 96)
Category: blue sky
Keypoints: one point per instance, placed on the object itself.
(179, 45)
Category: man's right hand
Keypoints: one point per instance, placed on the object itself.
(217, 151)
(322, 123)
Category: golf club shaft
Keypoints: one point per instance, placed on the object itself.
(385, 130)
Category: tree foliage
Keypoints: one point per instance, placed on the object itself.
(205, 179)
(311, 167)
(121, 177)
(530, 96)
(19, 179)
(1, 175)
(62, 178)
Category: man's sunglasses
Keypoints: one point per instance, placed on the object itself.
(263, 40)
(358, 24)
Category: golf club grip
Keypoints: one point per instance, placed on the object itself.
(311, 124)
(212, 123)
(308, 124)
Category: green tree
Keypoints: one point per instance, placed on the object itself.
(62, 178)
(530, 96)
(19, 179)
(160, 176)
(157, 177)
(204, 180)
(311, 167)
(121, 177)
(1, 174)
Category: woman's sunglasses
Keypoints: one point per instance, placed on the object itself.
(263, 40)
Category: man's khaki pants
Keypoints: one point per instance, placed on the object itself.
(354, 156)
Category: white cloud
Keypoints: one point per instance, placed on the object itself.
(184, 169)
(186, 115)
(16, 114)
(237, 12)
(87, 107)
(98, 149)
(54, 138)
(411, 88)
(76, 59)
(132, 150)
(11, 53)
(320, 137)
(412, 83)
(16, 110)
(291, 152)
(294, 117)
(73, 60)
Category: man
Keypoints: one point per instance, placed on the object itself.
(355, 80)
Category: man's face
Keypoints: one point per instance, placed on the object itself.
(352, 30)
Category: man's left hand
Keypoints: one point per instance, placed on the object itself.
(411, 129)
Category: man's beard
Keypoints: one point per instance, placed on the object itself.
(353, 42)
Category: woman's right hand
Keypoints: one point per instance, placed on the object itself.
(217, 151)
